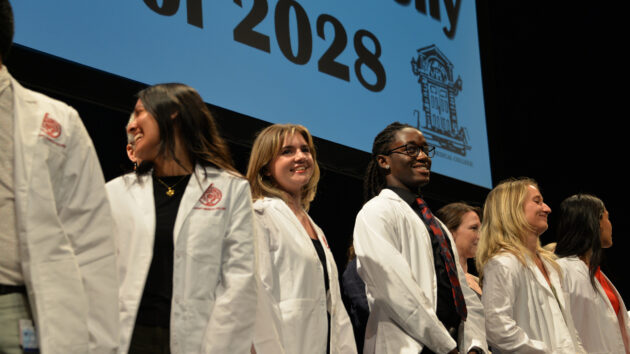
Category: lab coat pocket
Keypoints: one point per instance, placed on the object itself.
(392, 339)
(62, 301)
(302, 324)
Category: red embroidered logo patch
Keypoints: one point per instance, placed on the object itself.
(51, 127)
(211, 197)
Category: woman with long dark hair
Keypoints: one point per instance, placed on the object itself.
(295, 264)
(600, 316)
(186, 250)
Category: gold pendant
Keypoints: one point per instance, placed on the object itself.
(170, 192)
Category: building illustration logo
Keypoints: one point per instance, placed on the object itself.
(437, 119)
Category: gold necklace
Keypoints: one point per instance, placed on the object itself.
(169, 189)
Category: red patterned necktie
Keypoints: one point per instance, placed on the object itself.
(451, 268)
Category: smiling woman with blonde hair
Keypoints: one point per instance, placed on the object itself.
(295, 265)
(524, 303)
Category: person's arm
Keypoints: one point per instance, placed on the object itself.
(231, 325)
(499, 294)
(390, 282)
(86, 215)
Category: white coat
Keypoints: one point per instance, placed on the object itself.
(292, 273)
(64, 227)
(214, 288)
(522, 314)
(395, 260)
(600, 328)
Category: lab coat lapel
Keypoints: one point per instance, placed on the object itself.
(554, 278)
(284, 208)
(197, 184)
(602, 292)
(142, 192)
(26, 123)
(538, 276)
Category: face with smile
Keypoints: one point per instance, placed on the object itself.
(405, 171)
(536, 211)
(146, 133)
(467, 235)
(605, 230)
(292, 168)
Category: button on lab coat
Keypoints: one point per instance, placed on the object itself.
(395, 260)
(595, 319)
(522, 314)
(214, 288)
(291, 272)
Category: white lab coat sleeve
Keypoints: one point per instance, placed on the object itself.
(390, 282)
(231, 325)
(499, 293)
(268, 331)
(86, 216)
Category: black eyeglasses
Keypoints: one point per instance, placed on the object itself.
(413, 150)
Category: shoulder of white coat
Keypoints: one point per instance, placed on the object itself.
(31, 95)
(384, 203)
(573, 267)
(223, 179)
(59, 110)
(505, 261)
(216, 172)
(262, 205)
(120, 181)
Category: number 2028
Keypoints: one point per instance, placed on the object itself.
(245, 33)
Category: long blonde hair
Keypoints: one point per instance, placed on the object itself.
(266, 147)
(505, 227)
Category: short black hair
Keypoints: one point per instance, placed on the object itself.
(6, 28)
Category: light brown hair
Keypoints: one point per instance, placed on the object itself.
(266, 147)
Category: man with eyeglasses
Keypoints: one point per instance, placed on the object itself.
(419, 299)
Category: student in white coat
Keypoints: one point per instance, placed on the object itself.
(600, 316)
(185, 222)
(296, 266)
(417, 292)
(524, 302)
(57, 254)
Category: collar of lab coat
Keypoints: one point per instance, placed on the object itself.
(142, 191)
(281, 206)
(553, 278)
(581, 267)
